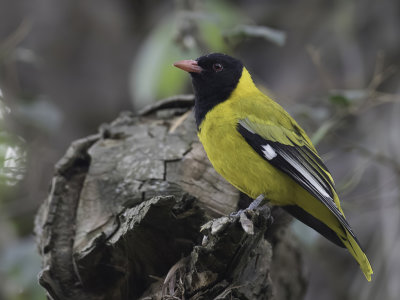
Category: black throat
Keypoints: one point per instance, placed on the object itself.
(212, 89)
(204, 102)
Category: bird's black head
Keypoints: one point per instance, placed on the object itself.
(214, 77)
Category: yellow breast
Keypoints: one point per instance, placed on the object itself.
(230, 154)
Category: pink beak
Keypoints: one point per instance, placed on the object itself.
(189, 65)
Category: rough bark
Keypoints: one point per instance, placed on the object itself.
(137, 212)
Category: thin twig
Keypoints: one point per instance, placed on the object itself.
(179, 121)
(315, 56)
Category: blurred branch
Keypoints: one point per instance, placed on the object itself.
(378, 157)
(11, 42)
(351, 102)
(380, 74)
(323, 130)
(187, 35)
(375, 99)
(347, 103)
(315, 56)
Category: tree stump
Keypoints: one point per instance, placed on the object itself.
(137, 212)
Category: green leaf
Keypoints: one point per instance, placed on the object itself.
(346, 98)
(340, 100)
(278, 37)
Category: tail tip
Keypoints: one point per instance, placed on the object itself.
(368, 273)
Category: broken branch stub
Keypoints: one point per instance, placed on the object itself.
(123, 220)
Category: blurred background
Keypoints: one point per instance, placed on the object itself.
(68, 66)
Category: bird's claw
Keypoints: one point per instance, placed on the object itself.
(237, 213)
(253, 206)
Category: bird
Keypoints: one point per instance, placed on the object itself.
(261, 150)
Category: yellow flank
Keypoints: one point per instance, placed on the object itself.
(238, 163)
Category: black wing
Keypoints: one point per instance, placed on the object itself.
(301, 163)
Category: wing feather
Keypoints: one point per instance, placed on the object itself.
(295, 156)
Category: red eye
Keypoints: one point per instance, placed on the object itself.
(218, 67)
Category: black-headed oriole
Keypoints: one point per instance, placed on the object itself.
(261, 150)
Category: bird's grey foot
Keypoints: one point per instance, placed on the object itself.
(256, 202)
(253, 205)
(237, 213)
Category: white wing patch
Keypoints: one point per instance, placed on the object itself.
(268, 152)
(303, 171)
(301, 163)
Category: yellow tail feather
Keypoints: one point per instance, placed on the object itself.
(358, 254)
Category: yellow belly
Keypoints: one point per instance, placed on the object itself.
(238, 163)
